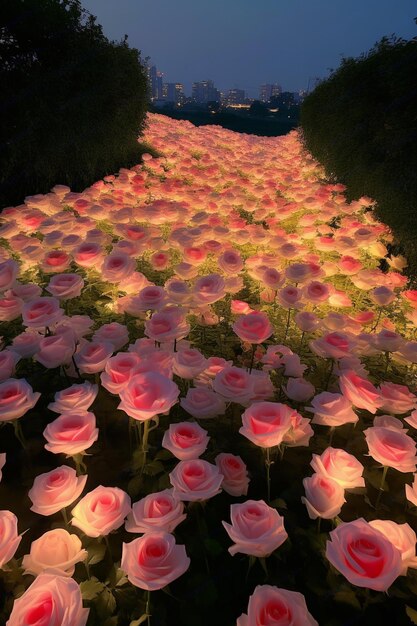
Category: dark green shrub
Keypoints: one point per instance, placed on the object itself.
(72, 102)
(361, 124)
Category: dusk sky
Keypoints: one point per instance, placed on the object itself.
(244, 43)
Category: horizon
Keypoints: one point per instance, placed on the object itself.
(239, 45)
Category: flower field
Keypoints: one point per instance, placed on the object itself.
(207, 396)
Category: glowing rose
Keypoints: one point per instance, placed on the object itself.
(153, 561)
(41, 312)
(254, 327)
(403, 537)
(186, 440)
(92, 356)
(269, 605)
(16, 398)
(392, 448)
(203, 403)
(114, 333)
(195, 480)
(265, 423)
(257, 529)
(9, 539)
(74, 398)
(235, 474)
(156, 511)
(324, 496)
(54, 490)
(148, 394)
(56, 549)
(71, 433)
(234, 384)
(65, 286)
(332, 409)
(339, 465)
(364, 555)
(359, 391)
(100, 511)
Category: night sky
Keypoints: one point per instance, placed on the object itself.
(244, 43)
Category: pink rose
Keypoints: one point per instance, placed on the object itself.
(10, 308)
(153, 561)
(359, 391)
(238, 307)
(208, 289)
(271, 605)
(324, 496)
(339, 465)
(203, 403)
(55, 261)
(65, 286)
(8, 361)
(75, 398)
(169, 324)
(9, 539)
(307, 322)
(257, 529)
(382, 295)
(55, 350)
(316, 292)
(230, 262)
(364, 555)
(114, 333)
(9, 271)
(100, 511)
(149, 298)
(50, 600)
(89, 255)
(289, 297)
(148, 394)
(234, 384)
(403, 537)
(195, 480)
(54, 490)
(387, 340)
(41, 312)
(188, 363)
(119, 370)
(235, 474)
(299, 389)
(26, 344)
(156, 511)
(396, 399)
(159, 261)
(56, 549)
(178, 291)
(186, 440)
(392, 448)
(332, 345)
(16, 398)
(254, 327)
(300, 432)
(332, 409)
(71, 433)
(265, 423)
(117, 266)
(92, 356)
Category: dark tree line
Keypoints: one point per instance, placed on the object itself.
(72, 103)
(361, 124)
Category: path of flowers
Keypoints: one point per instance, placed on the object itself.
(207, 382)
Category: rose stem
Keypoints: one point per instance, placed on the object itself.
(381, 487)
(19, 433)
(65, 516)
(288, 324)
(332, 429)
(329, 375)
(268, 476)
(252, 358)
(148, 607)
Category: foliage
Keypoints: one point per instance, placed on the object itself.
(361, 124)
(73, 102)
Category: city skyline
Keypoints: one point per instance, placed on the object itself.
(242, 45)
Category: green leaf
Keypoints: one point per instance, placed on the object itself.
(96, 552)
(164, 455)
(154, 468)
(91, 588)
(213, 547)
(412, 614)
(374, 477)
(106, 603)
(134, 486)
(348, 596)
(279, 503)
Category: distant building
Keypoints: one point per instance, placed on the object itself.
(266, 92)
(155, 83)
(174, 92)
(235, 96)
(205, 91)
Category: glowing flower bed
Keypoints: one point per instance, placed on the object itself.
(207, 393)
